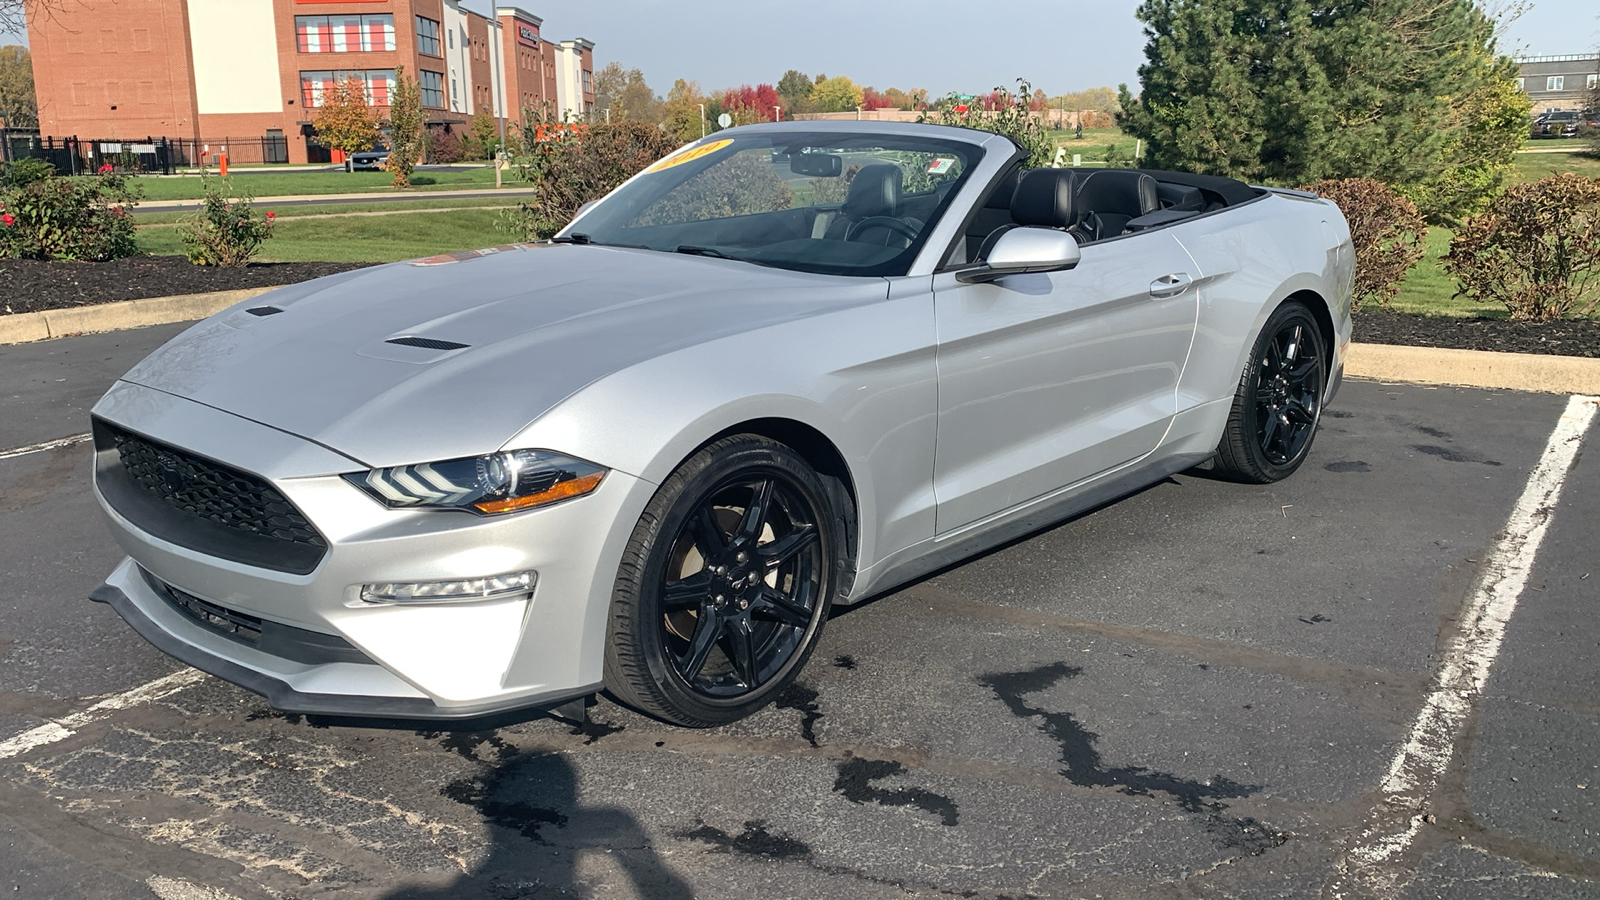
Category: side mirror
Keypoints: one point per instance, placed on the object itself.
(1023, 250)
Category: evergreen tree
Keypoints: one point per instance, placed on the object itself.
(1410, 92)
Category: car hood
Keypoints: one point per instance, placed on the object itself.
(492, 339)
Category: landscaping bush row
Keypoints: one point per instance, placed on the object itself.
(45, 216)
(1535, 249)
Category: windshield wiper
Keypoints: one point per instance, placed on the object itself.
(576, 237)
(693, 250)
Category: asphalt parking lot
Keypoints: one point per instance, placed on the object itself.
(1202, 690)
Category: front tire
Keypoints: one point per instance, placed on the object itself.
(1278, 404)
(725, 584)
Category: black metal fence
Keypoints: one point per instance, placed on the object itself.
(146, 156)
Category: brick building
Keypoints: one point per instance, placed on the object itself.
(248, 70)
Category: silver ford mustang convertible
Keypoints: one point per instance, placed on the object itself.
(787, 367)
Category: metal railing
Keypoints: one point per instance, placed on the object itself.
(142, 156)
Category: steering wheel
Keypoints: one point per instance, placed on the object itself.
(888, 223)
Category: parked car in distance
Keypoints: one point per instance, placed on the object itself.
(790, 366)
(1561, 123)
(369, 160)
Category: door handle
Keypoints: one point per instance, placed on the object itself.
(1171, 285)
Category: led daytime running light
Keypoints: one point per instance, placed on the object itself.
(454, 590)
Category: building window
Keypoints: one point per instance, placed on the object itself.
(379, 84)
(1555, 83)
(1593, 80)
(428, 37)
(454, 97)
(432, 84)
(588, 81)
(343, 34)
(451, 37)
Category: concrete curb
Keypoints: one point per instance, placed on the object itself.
(22, 328)
(1380, 362)
(1475, 368)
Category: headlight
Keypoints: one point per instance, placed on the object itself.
(487, 485)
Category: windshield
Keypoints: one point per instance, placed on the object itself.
(838, 204)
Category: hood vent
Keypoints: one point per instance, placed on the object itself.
(263, 310)
(427, 343)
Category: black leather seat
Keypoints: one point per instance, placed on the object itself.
(875, 191)
(1044, 198)
(1107, 199)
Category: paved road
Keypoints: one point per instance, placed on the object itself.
(1197, 691)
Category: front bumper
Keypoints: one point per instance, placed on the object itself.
(440, 661)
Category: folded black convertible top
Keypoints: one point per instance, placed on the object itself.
(1230, 190)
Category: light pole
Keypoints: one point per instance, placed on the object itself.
(777, 114)
(858, 114)
(702, 120)
(500, 93)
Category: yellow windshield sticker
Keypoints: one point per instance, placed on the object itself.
(689, 155)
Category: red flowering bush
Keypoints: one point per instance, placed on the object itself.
(225, 231)
(44, 216)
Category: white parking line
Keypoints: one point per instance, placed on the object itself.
(1416, 769)
(47, 445)
(66, 726)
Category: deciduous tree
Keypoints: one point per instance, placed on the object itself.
(681, 111)
(837, 94)
(343, 120)
(19, 107)
(795, 87)
(626, 94)
(408, 131)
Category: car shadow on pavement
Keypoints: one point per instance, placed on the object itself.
(540, 830)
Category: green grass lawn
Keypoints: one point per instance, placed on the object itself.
(398, 207)
(1428, 290)
(282, 184)
(1534, 166)
(360, 239)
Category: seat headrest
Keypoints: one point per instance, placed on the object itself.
(875, 191)
(1044, 197)
(1121, 192)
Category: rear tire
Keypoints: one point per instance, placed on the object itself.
(725, 584)
(1278, 404)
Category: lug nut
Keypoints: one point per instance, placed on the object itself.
(743, 556)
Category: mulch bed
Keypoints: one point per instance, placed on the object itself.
(1565, 337)
(29, 285)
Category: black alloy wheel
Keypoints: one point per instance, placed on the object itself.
(725, 584)
(1279, 401)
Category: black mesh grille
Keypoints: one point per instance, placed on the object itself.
(226, 622)
(426, 343)
(211, 491)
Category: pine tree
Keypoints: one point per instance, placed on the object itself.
(1410, 92)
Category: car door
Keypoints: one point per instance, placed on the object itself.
(1046, 380)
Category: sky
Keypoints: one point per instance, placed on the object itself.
(940, 45)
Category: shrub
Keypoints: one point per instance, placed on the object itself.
(224, 231)
(1536, 249)
(1010, 116)
(445, 146)
(1387, 231)
(22, 172)
(50, 217)
(573, 165)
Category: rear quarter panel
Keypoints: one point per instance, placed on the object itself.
(1251, 259)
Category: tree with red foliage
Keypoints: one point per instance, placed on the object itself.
(760, 102)
(871, 99)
